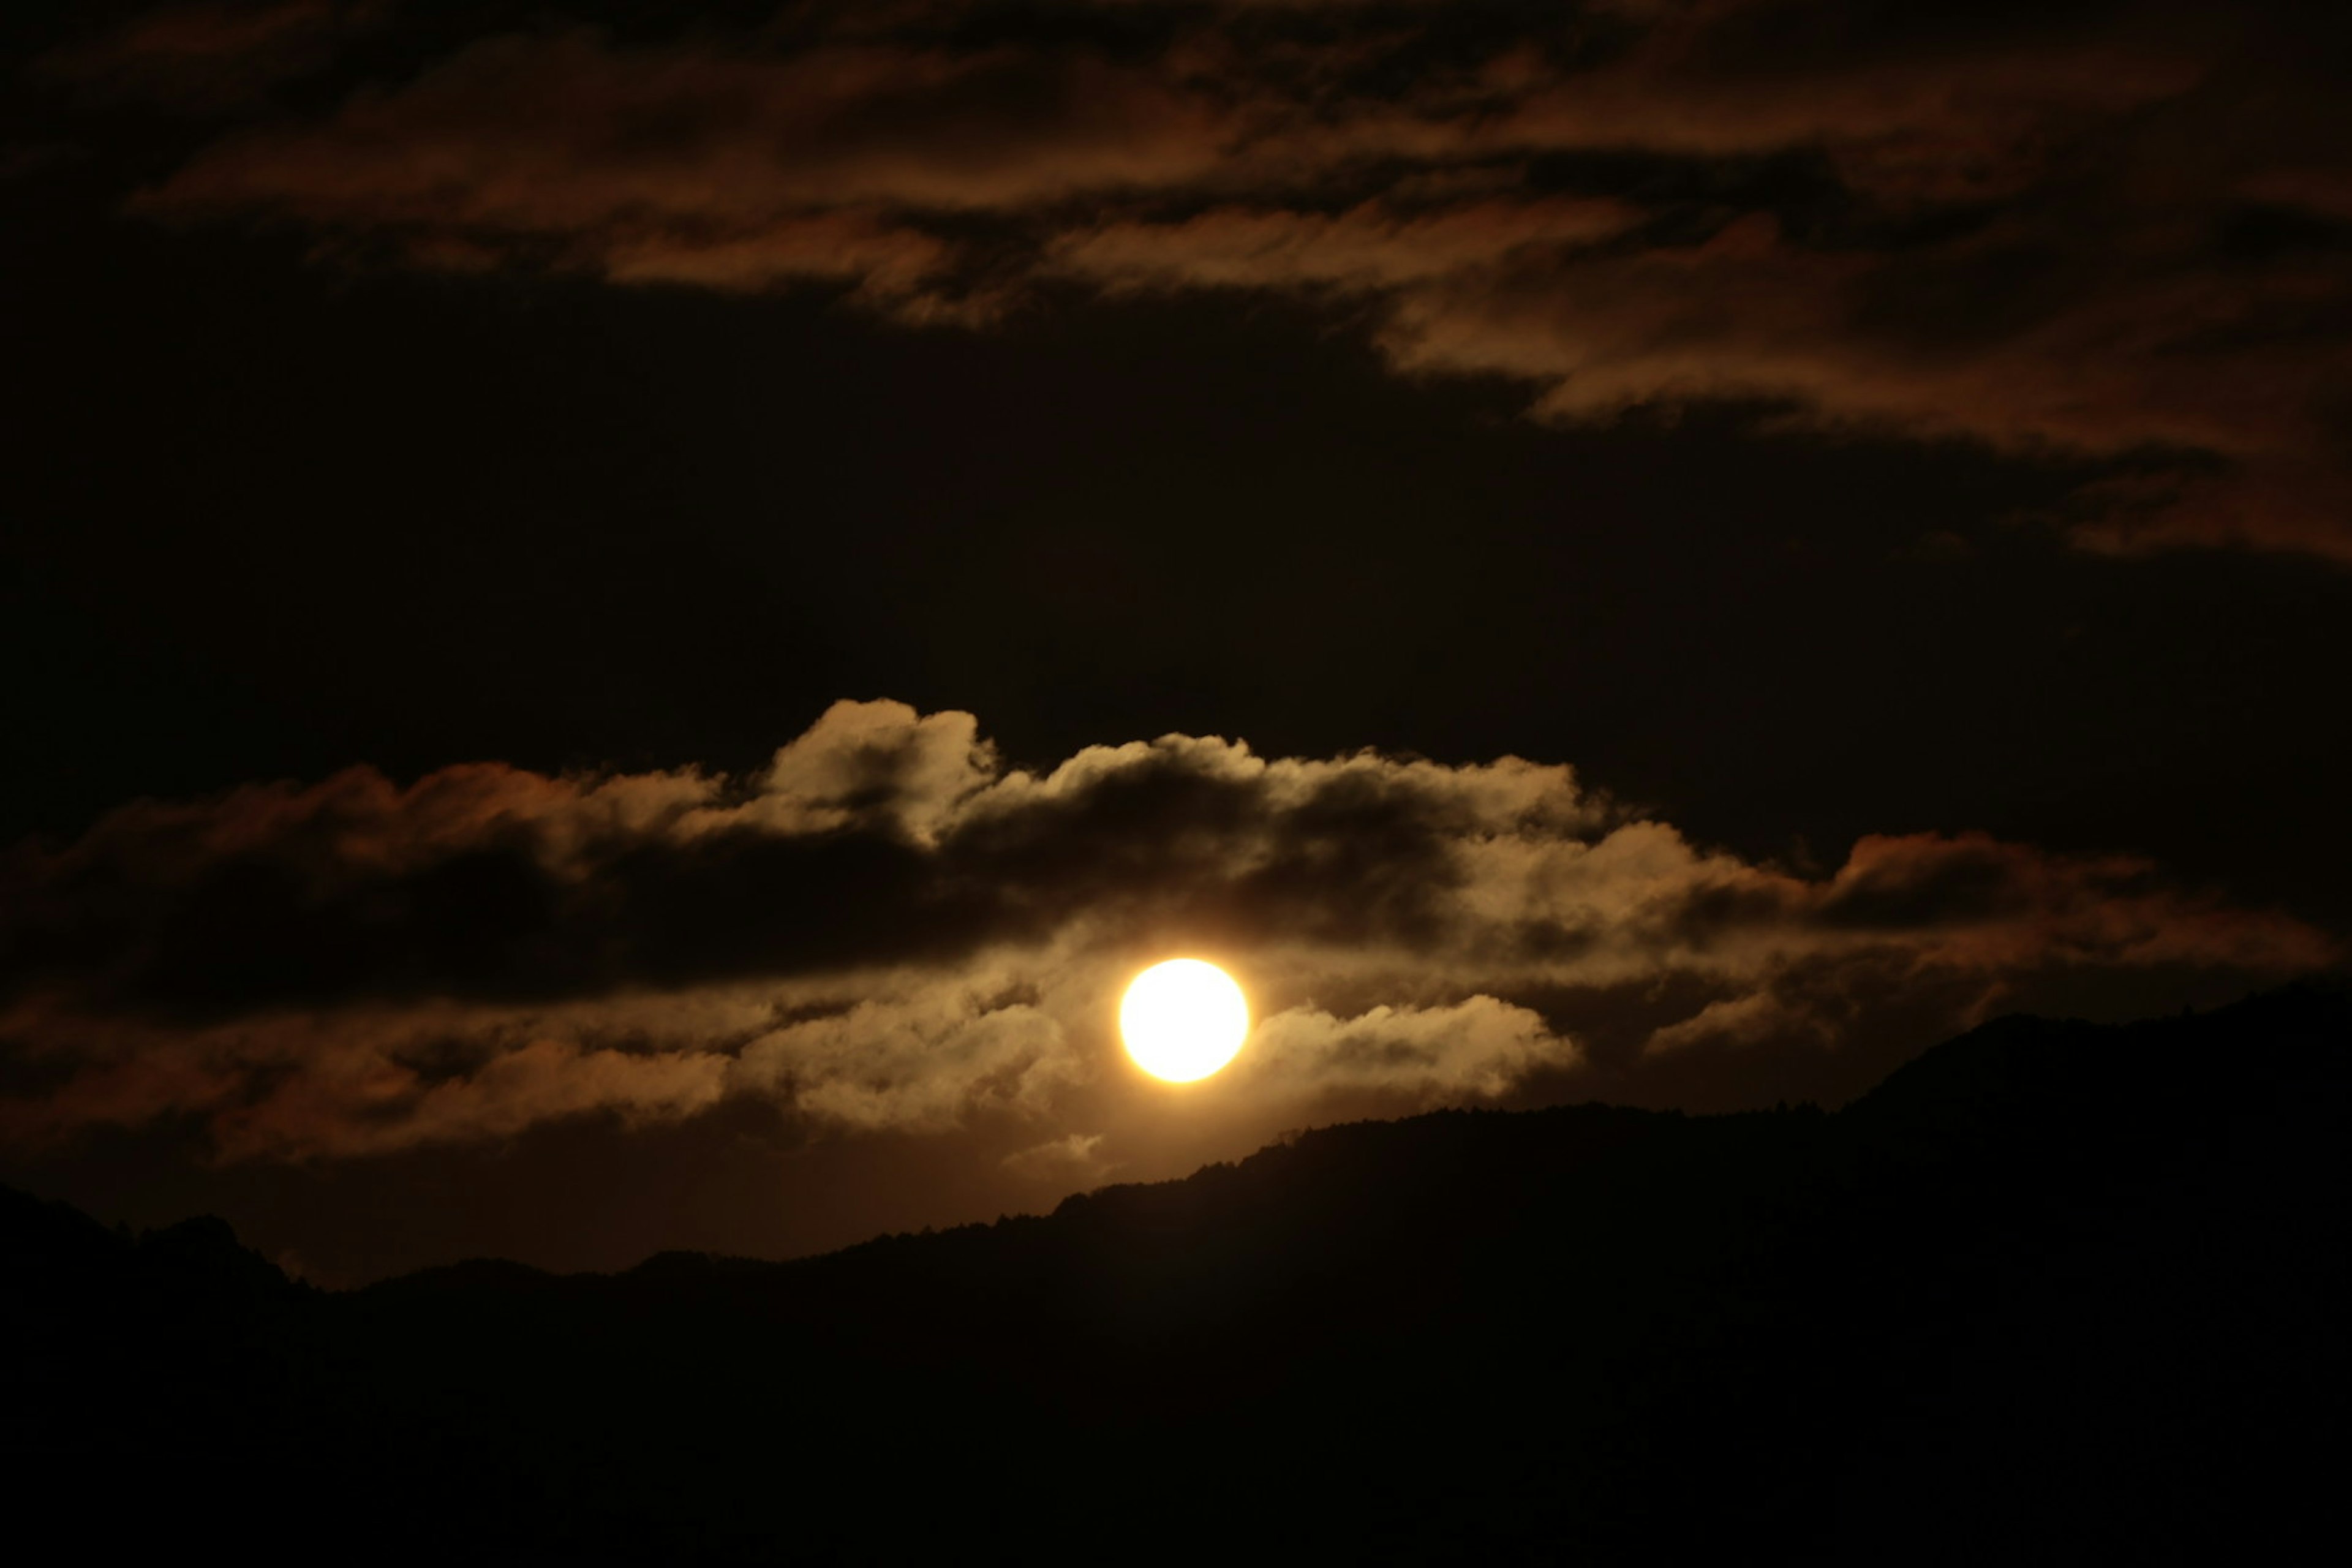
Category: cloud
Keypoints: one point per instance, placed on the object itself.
(1061, 1163)
(920, 1062)
(1476, 1048)
(1734, 1021)
(889, 928)
(2112, 231)
(211, 55)
(694, 165)
(1364, 250)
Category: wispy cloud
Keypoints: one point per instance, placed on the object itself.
(2114, 231)
(208, 55)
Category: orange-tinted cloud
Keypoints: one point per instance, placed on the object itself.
(717, 169)
(2115, 232)
(1366, 249)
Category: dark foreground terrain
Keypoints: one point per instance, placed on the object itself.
(2052, 1292)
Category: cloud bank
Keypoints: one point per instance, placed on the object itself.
(2114, 232)
(892, 929)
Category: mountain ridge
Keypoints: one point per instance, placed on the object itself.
(2041, 1267)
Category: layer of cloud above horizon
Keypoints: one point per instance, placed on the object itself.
(2115, 233)
(891, 929)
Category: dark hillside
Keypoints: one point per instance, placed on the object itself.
(2052, 1291)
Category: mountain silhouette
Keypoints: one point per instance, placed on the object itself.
(2053, 1292)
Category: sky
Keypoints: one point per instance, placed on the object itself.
(622, 621)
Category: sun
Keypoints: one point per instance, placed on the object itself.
(1183, 1019)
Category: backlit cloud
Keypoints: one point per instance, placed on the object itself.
(891, 929)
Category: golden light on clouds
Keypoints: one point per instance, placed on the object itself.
(1183, 1019)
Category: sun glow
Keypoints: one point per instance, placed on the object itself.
(1183, 1019)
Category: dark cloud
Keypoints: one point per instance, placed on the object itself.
(890, 928)
(213, 53)
(880, 838)
(2100, 230)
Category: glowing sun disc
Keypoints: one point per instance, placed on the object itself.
(1183, 1019)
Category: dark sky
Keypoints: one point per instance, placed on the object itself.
(1665, 551)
